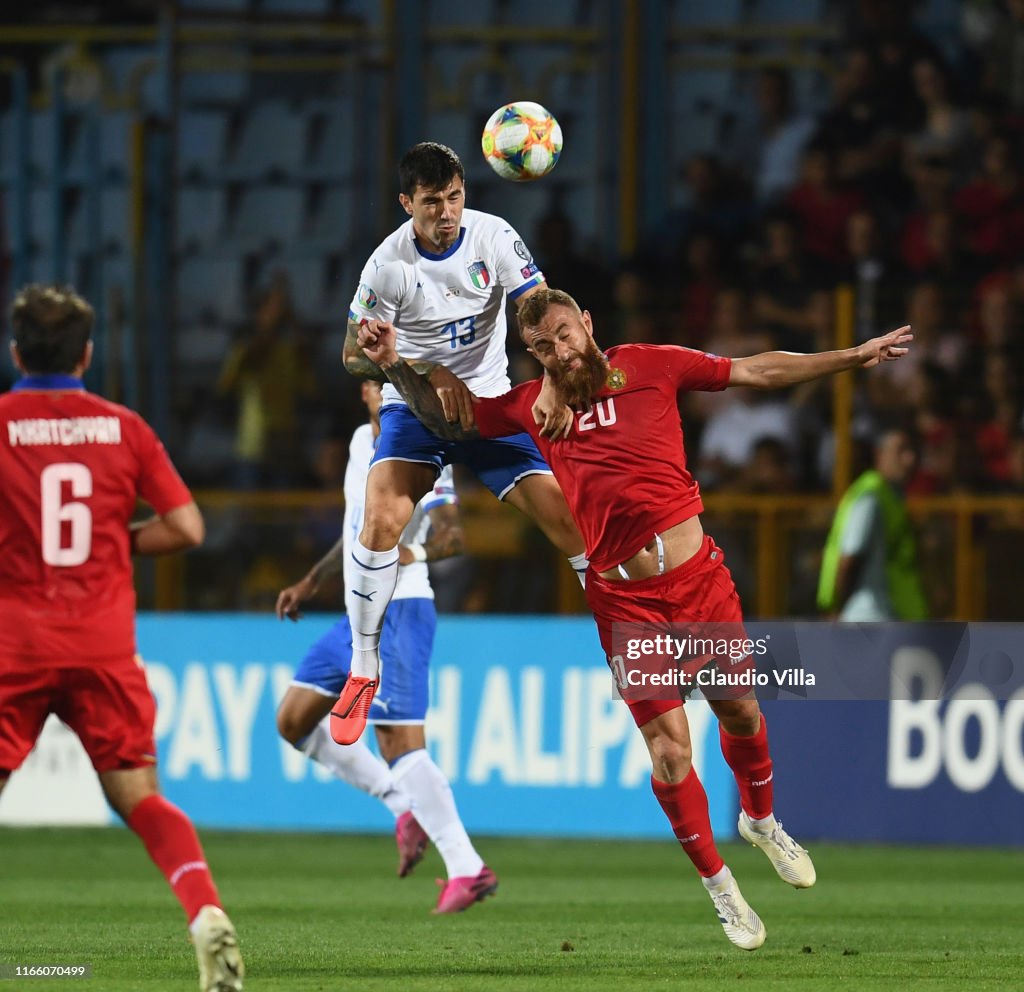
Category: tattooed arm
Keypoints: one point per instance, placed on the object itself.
(445, 538)
(358, 364)
(445, 406)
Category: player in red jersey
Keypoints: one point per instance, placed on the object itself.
(622, 467)
(72, 466)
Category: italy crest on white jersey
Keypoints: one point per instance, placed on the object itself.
(449, 308)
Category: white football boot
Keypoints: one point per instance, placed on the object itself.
(216, 943)
(791, 861)
(741, 924)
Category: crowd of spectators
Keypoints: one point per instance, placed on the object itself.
(907, 188)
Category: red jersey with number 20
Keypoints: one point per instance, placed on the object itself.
(623, 467)
(72, 466)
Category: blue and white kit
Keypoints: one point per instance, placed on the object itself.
(410, 622)
(450, 308)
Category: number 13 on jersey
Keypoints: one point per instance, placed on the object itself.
(460, 332)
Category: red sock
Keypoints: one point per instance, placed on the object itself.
(751, 763)
(174, 847)
(686, 806)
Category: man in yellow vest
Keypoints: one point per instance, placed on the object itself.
(869, 569)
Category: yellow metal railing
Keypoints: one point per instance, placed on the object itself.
(970, 549)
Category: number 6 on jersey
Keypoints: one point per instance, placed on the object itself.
(55, 512)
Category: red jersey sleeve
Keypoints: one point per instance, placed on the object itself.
(502, 416)
(696, 370)
(158, 482)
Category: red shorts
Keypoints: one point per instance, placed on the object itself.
(107, 704)
(700, 591)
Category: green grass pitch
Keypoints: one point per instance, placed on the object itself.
(317, 912)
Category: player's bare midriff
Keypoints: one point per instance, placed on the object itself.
(678, 544)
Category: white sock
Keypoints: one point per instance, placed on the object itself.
(765, 825)
(374, 576)
(719, 878)
(357, 765)
(433, 805)
(580, 563)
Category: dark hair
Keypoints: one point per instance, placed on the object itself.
(430, 165)
(536, 305)
(52, 325)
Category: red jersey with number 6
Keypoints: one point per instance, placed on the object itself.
(623, 467)
(72, 466)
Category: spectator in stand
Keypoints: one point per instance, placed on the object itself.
(933, 250)
(271, 373)
(771, 145)
(992, 204)
(732, 333)
(712, 202)
(862, 125)
(783, 283)
(929, 398)
(873, 274)
(932, 184)
(732, 433)
(564, 267)
(886, 27)
(1004, 59)
(823, 206)
(944, 127)
(636, 315)
(999, 319)
(700, 272)
(769, 469)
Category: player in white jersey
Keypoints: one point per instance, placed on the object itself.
(407, 781)
(442, 279)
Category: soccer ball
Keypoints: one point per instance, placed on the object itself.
(521, 141)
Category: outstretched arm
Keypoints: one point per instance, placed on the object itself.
(778, 369)
(378, 344)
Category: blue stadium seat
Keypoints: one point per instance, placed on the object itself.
(272, 142)
(329, 223)
(265, 216)
(202, 142)
(696, 13)
(695, 132)
(115, 143)
(788, 11)
(210, 288)
(444, 13)
(215, 6)
(41, 142)
(201, 217)
(114, 235)
(7, 148)
(703, 87)
(333, 133)
(223, 89)
(457, 129)
(298, 8)
(308, 278)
